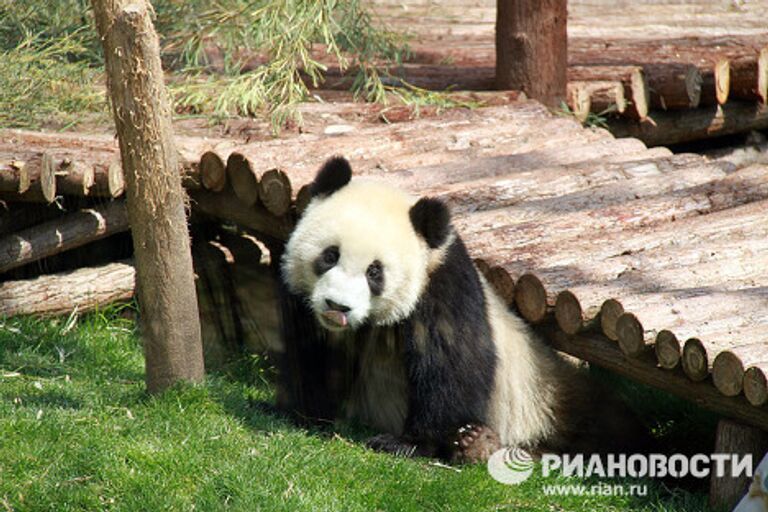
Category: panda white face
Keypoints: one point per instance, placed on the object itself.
(357, 258)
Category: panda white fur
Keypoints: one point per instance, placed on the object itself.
(387, 321)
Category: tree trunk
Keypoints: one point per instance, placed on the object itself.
(532, 48)
(156, 201)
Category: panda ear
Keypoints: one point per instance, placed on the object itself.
(432, 220)
(335, 173)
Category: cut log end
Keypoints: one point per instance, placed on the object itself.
(728, 373)
(568, 312)
(695, 361)
(503, 283)
(756, 386)
(693, 81)
(48, 178)
(244, 181)
(303, 197)
(641, 94)
(610, 312)
(631, 335)
(115, 179)
(213, 171)
(762, 76)
(481, 264)
(531, 298)
(722, 80)
(667, 349)
(275, 192)
(579, 100)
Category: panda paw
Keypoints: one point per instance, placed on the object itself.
(474, 443)
(390, 444)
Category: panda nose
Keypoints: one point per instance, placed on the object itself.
(336, 306)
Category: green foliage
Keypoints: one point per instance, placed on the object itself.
(294, 37)
(79, 433)
(40, 81)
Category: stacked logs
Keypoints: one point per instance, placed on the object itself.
(536, 185)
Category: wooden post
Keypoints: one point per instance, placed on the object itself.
(155, 198)
(532, 48)
(735, 438)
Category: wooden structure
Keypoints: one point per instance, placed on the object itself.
(645, 66)
(636, 259)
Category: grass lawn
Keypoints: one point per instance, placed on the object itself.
(77, 432)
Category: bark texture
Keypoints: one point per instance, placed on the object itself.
(532, 48)
(156, 201)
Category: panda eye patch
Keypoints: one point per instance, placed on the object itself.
(327, 260)
(375, 276)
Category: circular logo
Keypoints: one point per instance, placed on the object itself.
(510, 466)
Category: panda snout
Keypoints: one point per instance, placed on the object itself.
(335, 306)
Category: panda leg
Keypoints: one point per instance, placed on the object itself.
(474, 443)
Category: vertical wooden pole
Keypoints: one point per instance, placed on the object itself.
(532, 48)
(155, 198)
(735, 438)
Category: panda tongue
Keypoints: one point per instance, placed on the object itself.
(336, 318)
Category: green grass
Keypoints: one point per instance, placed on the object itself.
(78, 432)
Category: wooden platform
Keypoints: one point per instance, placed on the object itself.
(663, 71)
(563, 220)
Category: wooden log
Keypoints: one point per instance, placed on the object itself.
(74, 178)
(482, 266)
(632, 77)
(729, 365)
(631, 335)
(15, 217)
(244, 180)
(695, 360)
(610, 312)
(56, 236)
(531, 298)
(676, 127)
(532, 48)
(81, 290)
(667, 349)
(75, 171)
(213, 172)
(571, 317)
(303, 197)
(502, 283)
(275, 192)
(762, 76)
(600, 351)
(673, 86)
(722, 71)
(755, 384)
(14, 176)
(744, 79)
(225, 205)
(601, 98)
(735, 439)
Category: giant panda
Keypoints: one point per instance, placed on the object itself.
(387, 321)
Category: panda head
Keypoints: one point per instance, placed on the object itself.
(362, 251)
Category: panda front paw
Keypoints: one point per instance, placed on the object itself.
(474, 443)
(391, 444)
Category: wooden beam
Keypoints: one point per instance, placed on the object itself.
(597, 349)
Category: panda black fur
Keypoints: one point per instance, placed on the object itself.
(387, 321)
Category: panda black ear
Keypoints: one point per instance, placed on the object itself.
(335, 173)
(432, 220)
